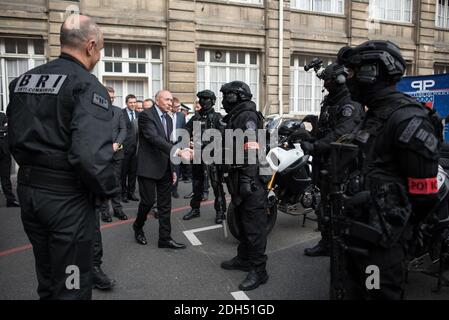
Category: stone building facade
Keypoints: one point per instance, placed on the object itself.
(189, 45)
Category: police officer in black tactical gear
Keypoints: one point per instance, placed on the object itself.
(397, 169)
(209, 119)
(247, 189)
(339, 115)
(5, 163)
(60, 124)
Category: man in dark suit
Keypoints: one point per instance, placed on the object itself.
(154, 169)
(129, 166)
(118, 138)
(179, 122)
(5, 163)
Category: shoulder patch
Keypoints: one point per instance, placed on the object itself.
(411, 128)
(100, 101)
(347, 110)
(40, 83)
(422, 135)
(431, 143)
(251, 125)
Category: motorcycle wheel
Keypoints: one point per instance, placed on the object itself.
(233, 225)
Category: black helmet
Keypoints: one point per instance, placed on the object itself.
(334, 72)
(374, 60)
(289, 126)
(238, 87)
(207, 94)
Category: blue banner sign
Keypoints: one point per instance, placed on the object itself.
(433, 90)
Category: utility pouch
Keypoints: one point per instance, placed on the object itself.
(390, 212)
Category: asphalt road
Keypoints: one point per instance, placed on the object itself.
(147, 272)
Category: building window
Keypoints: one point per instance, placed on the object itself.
(442, 14)
(391, 10)
(440, 68)
(217, 67)
(408, 68)
(326, 6)
(306, 90)
(17, 56)
(131, 68)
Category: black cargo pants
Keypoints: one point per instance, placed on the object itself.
(251, 218)
(59, 221)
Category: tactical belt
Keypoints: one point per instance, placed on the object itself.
(55, 180)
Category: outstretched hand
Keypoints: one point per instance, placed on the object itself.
(186, 154)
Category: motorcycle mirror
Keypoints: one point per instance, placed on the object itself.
(310, 118)
(313, 120)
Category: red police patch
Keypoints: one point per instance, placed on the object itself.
(422, 186)
(251, 145)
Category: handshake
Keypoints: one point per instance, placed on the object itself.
(186, 153)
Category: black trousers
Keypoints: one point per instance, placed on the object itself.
(391, 264)
(252, 220)
(200, 174)
(323, 214)
(60, 226)
(129, 173)
(116, 200)
(5, 176)
(186, 171)
(97, 242)
(148, 188)
(177, 169)
(321, 163)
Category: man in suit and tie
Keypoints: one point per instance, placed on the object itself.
(129, 166)
(118, 138)
(154, 170)
(179, 122)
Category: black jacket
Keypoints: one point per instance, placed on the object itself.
(399, 144)
(339, 115)
(60, 117)
(153, 156)
(246, 118)
(118, 131)
(130, 143)
(208, 120)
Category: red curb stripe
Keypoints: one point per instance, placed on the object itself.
(15, 250)
(105, 226)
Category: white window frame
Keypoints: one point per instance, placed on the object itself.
(444, 15)
(444, 67)
(375, 14)
(316, 94)
(312, 6)
(125, 75)
(31, 58)
(227, 65)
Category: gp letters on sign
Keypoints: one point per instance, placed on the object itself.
(40, 83)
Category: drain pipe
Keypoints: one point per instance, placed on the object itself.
(281, 55)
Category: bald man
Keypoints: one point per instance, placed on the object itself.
(60, 124)
(155, 170)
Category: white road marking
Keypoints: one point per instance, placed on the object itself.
(240, 295)
(190, 234)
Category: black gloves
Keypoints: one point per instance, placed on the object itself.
(246, 186)
(307, 147)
